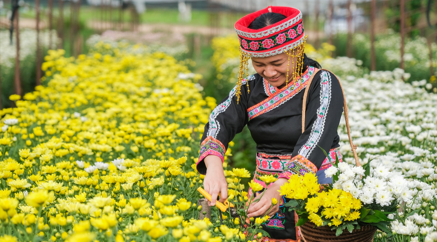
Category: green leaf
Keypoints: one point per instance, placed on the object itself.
(326, 154)
(363, 212)
(350, 228)
(370, 219)
(381, 215)
(301, 221)
(338, 232)
(413, 212)
(366, 169)
(292, 203)
(383, 227)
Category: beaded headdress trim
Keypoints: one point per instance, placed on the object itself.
(286, 36)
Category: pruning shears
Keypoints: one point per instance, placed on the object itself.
(222, 206)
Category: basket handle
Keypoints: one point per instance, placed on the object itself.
(304, 104)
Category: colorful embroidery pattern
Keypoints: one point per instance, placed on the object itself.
(270, 164)
(285, 36)
(299, 165)
(214, 126)
(281, 96)
(332, 158)
(275, 223)
(269, 89)
(211, 146)
(322, 112)
(280, 156)
(280, 27)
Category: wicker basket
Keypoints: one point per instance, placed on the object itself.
(311, 233)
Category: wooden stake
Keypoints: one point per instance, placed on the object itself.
(402, 33)
(349, 29)
(72, 28)
(38, 51)
(50, 23)
(372, 36)
(316, 24)
(17, 80)
(331, 16)
(431, 62)
(61, 24)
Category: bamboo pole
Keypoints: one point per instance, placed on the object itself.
(50, 23)
(349, 29)
(77, 29)
(431, 62)
(316, 24)
(17, 80)
(71, 28)
(372, 36)
(402, 33)
(61, 24)
(331, 16)
(38, 50)
(120, 12)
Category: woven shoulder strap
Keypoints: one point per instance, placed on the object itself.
(304, 104)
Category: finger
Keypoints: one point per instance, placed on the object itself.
(257, 205)
(214, 194)
(260, 212)
(273, 211)
(224, 192)
(206, 187)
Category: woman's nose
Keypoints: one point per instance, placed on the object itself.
(270, 72)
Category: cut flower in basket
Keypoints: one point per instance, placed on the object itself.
(330, 207)
(359, 196)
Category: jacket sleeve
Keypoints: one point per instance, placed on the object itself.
(322, 117)
(225, 121)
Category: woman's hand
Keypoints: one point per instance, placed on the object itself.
(261, 207)
(215, 181)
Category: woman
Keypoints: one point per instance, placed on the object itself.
(270, 104)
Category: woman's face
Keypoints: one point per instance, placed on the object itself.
(274, 68)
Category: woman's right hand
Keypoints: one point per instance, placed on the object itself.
(215, 180)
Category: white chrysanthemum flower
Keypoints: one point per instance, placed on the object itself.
(366, 197)
(118, 162)
(101, 165)
(76, 114)
(348, 186)
(337, 185)
(383, 198)
(381, 171)
(121, 167)
(343, 166)
(379, 184)
(358, 170)
(90, 169)
(331, 171)
(5, 128)
(80, 164)
(10, 121)
(83, 119)
(415, 239)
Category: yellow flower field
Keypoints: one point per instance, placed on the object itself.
(105, 150)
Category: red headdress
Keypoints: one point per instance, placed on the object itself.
(286, 36)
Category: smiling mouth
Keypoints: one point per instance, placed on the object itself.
(273, 79)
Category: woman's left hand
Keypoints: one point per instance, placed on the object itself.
(261, 207)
